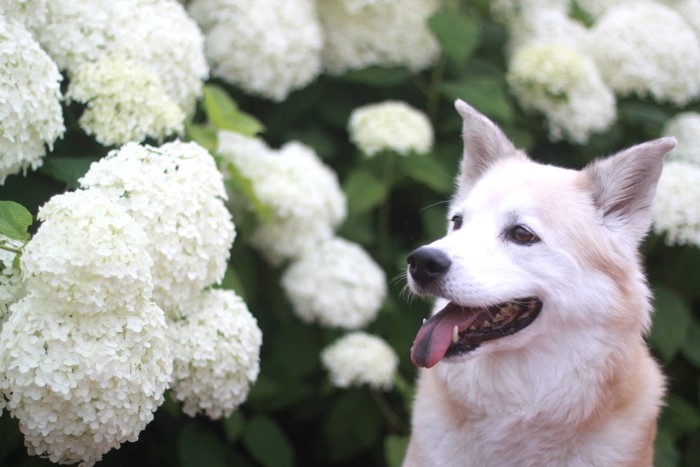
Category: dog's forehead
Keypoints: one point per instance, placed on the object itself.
(514, 183)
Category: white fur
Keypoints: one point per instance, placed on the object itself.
(577, 387)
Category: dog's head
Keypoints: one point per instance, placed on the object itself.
(534, 250)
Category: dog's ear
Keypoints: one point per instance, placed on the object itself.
(623, 185)
(484, 143)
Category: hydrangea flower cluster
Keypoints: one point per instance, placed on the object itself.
(268, 48)
(163, 44)
(216, 352)
(362, 33)
(112, 274)
(357, 359)
(564, 85)
(337, 284)
(176, 194)
(571, 73)
(124, 101)
(84, 358)
(390, 126)
(647, 49)
(11, 283)
(675, 208)
(686, 128)
(303, 194)
(30, 108)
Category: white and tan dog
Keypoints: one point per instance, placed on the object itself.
(535, 355)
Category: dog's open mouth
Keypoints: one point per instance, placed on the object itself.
(457, 330)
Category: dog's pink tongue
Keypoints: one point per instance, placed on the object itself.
(435, 336)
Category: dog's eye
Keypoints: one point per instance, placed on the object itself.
(521, 235)
(456, 222)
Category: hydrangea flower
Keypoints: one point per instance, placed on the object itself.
(676, 212)
(390, 126)
(176, 194)
(686, 128)
(80, 384)
(362, 33)
(124, 101)
(268, 48)
(565, 86)
(508, 10)
(11, 283)
(647, 49)
(545, 25)
(337, 284)
(357, 359)
(158, 34)
(216, 352)
(303, 194)
(87, 255)
(30, 101)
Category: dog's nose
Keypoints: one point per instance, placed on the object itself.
(427, 264)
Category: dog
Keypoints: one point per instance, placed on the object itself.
(535, 353)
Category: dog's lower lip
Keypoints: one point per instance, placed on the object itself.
(457, 330)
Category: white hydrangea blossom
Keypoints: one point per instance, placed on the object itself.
(216, 353)
(357, 359)
(689, 10)
(686, 128)
(565, 86)
(268, 48)
(124, 101)
(11, 283)
(88, 255)
(157, 33)
(390, 126)
(676, 212)
(508, 10)
(161, 35)
(30, 101)
(337, 284)
(176, 194)
(303, 194)
(647, 49)
(545, 25)
(79, 384)
(359, 34)
(596, 8)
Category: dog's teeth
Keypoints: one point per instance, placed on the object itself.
(472, 328)
(455, 334)
(424, 320)
(499, 317)
(486, 325)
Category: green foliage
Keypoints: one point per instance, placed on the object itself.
(14, 221)
(224, 114)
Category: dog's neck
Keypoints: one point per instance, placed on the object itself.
(539, 382)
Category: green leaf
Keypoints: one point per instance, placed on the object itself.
(428, 171)
(679, 417)
(364, 191)
(691, 346)
(665, 452)
(15, 220)
(353, 425)
(267, 443)
(67, 169)
(457, 33)
(483, 93)
(242, 184)
(395, 450)
(223, 113)
(233, 427)
(198, 446)
(378, 77)
(670, 323)
(202, 135)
